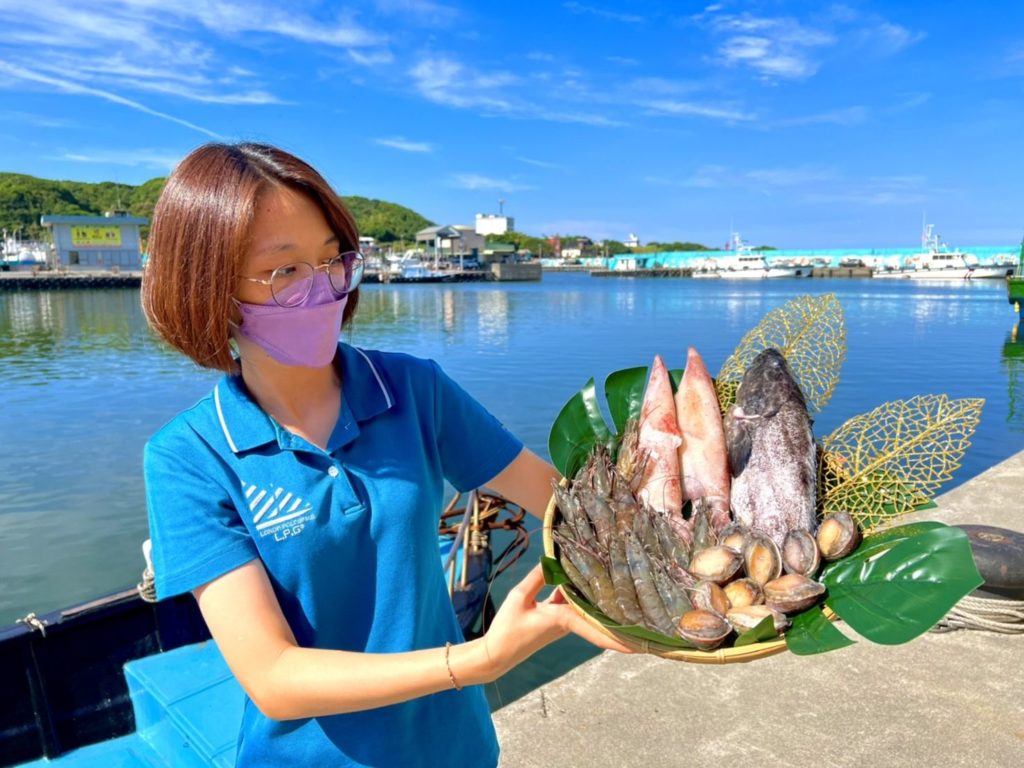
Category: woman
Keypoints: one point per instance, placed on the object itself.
(299, 501)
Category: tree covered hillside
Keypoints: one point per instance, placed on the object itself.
(23, 199)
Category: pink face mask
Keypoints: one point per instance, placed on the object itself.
(304, 335)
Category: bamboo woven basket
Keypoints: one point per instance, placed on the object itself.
(717, 656)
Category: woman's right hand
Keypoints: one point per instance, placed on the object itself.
(523, 625)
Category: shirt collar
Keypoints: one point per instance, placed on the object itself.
(245, 425)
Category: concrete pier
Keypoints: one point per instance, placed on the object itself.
(57, 280)
(842, 272)
(951, 699)
(657, 272)
(517, 272)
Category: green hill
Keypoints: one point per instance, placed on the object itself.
(23, 199)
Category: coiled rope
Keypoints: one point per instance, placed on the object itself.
(1004, 616)
(147, 587)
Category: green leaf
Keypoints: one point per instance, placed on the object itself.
(894, 590)
(577, 429)
(882, 540)
(554, 574)
(624, 391)
(580, 425)
(812, 633)
(765, 630)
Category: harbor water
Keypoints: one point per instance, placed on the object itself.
(84, 384)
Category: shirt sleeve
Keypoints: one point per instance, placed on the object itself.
(473, 445)
(195, 530)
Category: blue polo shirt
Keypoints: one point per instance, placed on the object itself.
(348, 537)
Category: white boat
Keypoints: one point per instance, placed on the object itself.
(411, 269)
(745, 263)
(22, 255)
(937, 261)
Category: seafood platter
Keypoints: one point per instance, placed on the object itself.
(708, 523)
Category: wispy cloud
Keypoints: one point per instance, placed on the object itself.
(715, 176)
(706, 176)
(225, 16)
(375, 58)
(791, 177)
(424, 12)
(784, 48)
(39, 121)
(774, 48)
(580, 117)
(661, 86)
(120, 46)
(542, 164)
(843, 116)
(623, 60)
(625, 18)
(405, 145)
(690, 109)
(877, 190)
(152, 158)
(891, 38)
(444, 80)
(476, 181)
(20, 73)
(917, 100)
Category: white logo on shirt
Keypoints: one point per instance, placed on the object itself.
(277, 512)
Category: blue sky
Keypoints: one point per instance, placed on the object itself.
(799, 124)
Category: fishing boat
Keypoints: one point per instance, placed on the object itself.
(125, 680)
(937, 261)
(412, 269)
(745, 263)
(22, 255)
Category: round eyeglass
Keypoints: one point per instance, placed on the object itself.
(290, 284)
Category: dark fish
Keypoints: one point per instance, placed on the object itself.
(771, 450)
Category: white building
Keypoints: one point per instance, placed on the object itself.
(492, 224)
(452, 240)
(632, 241)
(97, 242)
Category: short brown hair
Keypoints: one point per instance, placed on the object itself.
(200, 233)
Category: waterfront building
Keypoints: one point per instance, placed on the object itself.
(90, 243)
(632, 241)
(493, 224)
(452, 241)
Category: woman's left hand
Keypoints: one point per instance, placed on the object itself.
(524, 625)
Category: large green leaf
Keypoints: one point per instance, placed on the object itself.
(580, 425)
(624, 391)
(882, 540)
(577, 429)
(895, 589)
(812, 633)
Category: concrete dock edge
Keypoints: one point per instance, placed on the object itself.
(951, 699)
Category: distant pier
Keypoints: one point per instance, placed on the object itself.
(58, 280)
(841, 272)
(657, 272)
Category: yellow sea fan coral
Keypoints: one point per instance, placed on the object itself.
(885, 463)
(810, 332)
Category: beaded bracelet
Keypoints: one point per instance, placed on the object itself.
(447, 663)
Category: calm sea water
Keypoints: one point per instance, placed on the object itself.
(84, 384)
